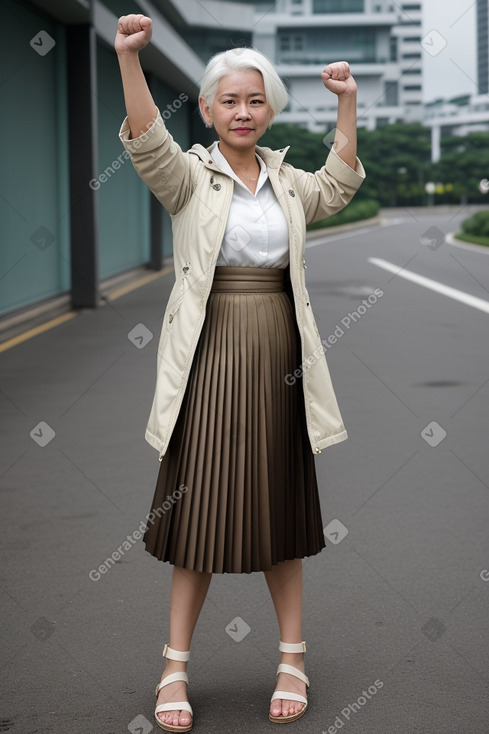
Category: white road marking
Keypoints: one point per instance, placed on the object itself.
(433, 285)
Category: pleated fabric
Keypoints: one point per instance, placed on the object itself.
(236, 490)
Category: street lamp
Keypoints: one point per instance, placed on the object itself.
(430, 189)
(484, 186)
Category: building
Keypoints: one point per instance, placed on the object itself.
(74, 216)
(467, 113)
(380, 39)
(483, 46)
(458, 116)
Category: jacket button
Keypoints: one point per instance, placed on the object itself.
(217, 187)
(292, 192)
(170, 318)
(212, 179)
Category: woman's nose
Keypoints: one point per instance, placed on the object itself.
(242, 110)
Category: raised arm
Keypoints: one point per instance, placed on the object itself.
(329, 190)
(133, 34)
(338, 79)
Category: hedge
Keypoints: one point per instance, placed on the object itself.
(354, 212)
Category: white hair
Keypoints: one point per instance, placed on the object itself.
(244, 59)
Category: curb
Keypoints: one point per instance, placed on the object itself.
(374, 221)
(452, 240)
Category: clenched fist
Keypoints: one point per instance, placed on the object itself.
(338, 79)
(133, 33)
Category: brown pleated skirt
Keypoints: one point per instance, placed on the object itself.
(237, 490)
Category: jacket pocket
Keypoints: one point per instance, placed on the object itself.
(174, 305)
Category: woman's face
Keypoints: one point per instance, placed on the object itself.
(240, 112)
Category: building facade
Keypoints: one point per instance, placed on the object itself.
(483, 46)
(381, 41)
(74, 215)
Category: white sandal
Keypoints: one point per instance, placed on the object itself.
(169, 652)
(287, 695)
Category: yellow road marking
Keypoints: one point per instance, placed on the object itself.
(36, 330)
(116, 293)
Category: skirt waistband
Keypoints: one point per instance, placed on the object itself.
(228, 279)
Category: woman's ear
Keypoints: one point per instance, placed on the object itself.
(205, 112)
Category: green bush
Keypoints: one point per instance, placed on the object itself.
(354, 212)
(477, 224)
(474, 239)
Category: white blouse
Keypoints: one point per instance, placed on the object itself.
(256, 233)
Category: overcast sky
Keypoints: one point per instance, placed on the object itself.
(453, 70)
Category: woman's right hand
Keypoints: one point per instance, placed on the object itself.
(133, 33)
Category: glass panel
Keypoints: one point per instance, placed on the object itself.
(338, 6)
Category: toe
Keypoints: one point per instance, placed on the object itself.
(276, 707)
(184, 719)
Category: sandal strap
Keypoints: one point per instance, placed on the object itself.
(285, 668)
(174, 706)
(288, 696)
(169, 652)
(292, 646)
(171, 679)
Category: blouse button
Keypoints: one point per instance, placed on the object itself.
(217, 187)
(292, 192)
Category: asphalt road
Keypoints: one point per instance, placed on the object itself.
(395, 607)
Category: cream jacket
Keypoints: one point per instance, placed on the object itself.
(197, 195)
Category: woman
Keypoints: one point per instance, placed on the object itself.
(243, 395)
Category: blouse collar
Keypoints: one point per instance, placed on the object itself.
(223, 164)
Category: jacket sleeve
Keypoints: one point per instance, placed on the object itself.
(330, 189)
(161, 163)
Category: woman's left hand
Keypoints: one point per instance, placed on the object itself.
(338, 79)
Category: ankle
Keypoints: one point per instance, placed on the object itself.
(292, 658)
(175, 666)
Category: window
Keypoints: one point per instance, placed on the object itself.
(291, 42)
(338, 6)
(393, 47)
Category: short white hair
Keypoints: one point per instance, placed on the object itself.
(244, 59)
